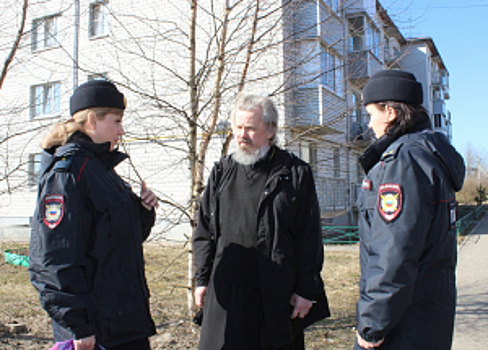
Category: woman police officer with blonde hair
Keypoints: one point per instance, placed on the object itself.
(86, 256)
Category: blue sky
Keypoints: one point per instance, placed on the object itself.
(459, 29)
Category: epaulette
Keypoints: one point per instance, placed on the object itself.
(391, 153)
(63, 164)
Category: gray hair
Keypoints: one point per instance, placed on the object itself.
(247, 102)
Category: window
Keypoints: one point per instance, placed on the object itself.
(361, 30)
(357, 111)
(396, 52)
(98, 76)
(437, 120)
(375, 40)
(359, 171)
(333, 4)
(331, 68)
(436, 93)
(357, 129)
(356, 32)
(34, 169)
(44, 33)
(386, 48)
(45, 100)
(337, 163)
(98, 19)
(308, 153)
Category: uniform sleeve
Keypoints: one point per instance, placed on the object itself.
(309, 236)
(204, 236)
(399, 222)
(60, 226)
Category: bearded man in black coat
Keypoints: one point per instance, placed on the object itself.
(258, 244)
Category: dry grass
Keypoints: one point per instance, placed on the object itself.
(167, 276)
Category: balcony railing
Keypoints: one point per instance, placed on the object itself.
(361, 65)
(360, 132)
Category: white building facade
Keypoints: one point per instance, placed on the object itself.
(312, 57)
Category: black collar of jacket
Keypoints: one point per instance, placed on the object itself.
(373, 153)
(99, 150)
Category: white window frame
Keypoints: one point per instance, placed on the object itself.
(386, 48)
(34, 169)
(45, 100)
(356, 110)
(45, 33)
(336, 163)
(98, 76)
(308, 152)
(332, 72)
(357, 33)
(375, 40)
(363, 35)
(99, 25)
(334, 5)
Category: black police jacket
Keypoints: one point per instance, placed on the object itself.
(86, 256)
(408, 241)
(289, 242)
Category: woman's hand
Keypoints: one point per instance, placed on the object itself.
(85, 343)
(148, 198)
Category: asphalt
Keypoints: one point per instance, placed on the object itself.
(471, 327)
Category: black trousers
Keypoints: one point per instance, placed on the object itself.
(297, 344)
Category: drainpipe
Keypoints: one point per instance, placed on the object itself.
(76, 38)
(348, 116)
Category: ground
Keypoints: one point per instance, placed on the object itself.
(166, 268)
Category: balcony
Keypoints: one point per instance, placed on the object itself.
(316, 110)
(441, 80)
(439, 107)
(361, 65)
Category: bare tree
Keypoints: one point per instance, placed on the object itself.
(182, 68)
(224, 46)
(476, 175)
(16, 42)
(187, 71)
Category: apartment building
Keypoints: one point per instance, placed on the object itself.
(311, 56)
(421, 57)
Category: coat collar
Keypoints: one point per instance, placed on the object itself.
(80, 143)
(373, 153)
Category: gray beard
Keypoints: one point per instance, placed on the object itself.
(248, 158)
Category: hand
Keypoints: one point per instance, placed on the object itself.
(85, 343)
(366, 344)
(200, 293)
(148, 198)
(302, 306)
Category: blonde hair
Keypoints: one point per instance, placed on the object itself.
(63, 130)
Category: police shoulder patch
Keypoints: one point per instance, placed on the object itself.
(53, 210)
(390, 201)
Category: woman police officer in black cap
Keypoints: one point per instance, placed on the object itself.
(407, 222)
(86, 256)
